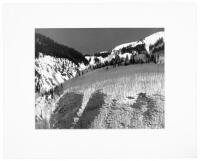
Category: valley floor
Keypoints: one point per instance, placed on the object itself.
(122, 97)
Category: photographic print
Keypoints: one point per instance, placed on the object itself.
(99, 78)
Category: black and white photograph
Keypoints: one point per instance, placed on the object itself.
(99, 78)
(107, 80)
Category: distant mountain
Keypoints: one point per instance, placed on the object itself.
(150, 49)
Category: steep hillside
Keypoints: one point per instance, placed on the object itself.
(55, 63)
(51, 71)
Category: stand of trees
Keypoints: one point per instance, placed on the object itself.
(140, 48)
(102, 54)
(141, 58)
(158, 46)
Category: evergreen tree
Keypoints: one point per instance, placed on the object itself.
(132, 59)
(117, 60)
(126, 60)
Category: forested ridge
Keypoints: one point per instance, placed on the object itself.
(49, 47)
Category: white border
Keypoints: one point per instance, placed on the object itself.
(123, 134)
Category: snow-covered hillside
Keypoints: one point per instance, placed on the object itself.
(98, 58)
(149, 40)
(146, 47)
(51, 71)
(55, 63)
(152, 39)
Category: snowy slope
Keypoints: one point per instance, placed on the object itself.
(125, 55)
(132, 44)
(55, 63)
(51, 71)
(152, 39)
(101, 58)
(91, 60)
(146, 42)
(149, 40)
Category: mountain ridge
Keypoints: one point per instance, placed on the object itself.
(145, 50)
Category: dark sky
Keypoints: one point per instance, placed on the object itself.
(91, 40)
